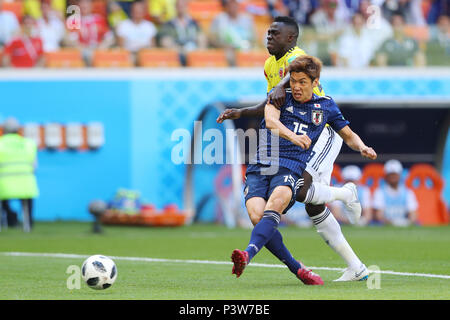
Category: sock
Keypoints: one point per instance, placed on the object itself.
(279, 250)
(330, 230)
(263, 232)
(320, 193)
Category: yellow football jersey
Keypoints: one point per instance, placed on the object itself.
(275, 70)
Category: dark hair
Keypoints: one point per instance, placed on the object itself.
(309, 65)
(289, 22)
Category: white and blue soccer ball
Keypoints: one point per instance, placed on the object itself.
(99, 272)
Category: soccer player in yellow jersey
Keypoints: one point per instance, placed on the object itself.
(316, 192)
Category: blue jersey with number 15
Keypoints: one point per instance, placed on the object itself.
(307, 118)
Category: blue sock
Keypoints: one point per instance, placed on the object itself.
(279, 250)
(263, 232)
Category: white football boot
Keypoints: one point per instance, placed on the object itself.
(353, 207)
(354, 275)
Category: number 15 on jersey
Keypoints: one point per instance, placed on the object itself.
(300, 128)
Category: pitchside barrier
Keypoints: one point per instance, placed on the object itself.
(403, 113)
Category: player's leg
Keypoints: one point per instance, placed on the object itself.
(265, 228)
(255, 208)
(330, 231)
(325, 223)
(320, 164)
(256, 188)
(263, 231)
(280, 201)
(281, 196)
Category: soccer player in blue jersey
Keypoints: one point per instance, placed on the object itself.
(298, 125)
(316, 190)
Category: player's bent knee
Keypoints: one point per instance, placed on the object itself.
(255, 208)
(255, 217)
(303, 191)
(314, 209)
(301, 194)
(279, 199)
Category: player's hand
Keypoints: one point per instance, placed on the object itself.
(368, 153)
(302, 140)
(277, 96)
(231, 114)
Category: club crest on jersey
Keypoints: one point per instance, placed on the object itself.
(281, 73)
(317, 117)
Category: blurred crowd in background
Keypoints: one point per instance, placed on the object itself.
(346, 33)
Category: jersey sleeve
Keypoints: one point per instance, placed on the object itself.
(336, 119)
(266, 68)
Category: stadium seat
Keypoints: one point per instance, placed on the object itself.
(371, 175)
(158, 58)
(207, 58)
(427, 185)
(65, 58)
(15, 7)
(201, 9)
(336, 176)
(255, 58)
(115, 58)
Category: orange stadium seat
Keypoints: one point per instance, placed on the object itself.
(432, 209)
(15, 7)
(207, 58)
(255, 58)
(65, 58)
(371, 175)
(158, 58)
(115, 58)
(201, 9)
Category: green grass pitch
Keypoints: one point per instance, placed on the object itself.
(410, 258)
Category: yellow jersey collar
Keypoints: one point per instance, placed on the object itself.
(288, 52)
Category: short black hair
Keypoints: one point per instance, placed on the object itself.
(289, 22)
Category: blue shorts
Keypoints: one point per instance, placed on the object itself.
(258, 185)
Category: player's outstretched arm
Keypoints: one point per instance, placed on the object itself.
(355, 143)
(273, 123)
(278, 94)
(233, 114)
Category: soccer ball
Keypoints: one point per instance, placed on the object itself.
(99, 272)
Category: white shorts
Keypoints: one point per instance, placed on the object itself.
(323, 155)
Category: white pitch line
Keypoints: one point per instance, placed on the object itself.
(264, 265)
